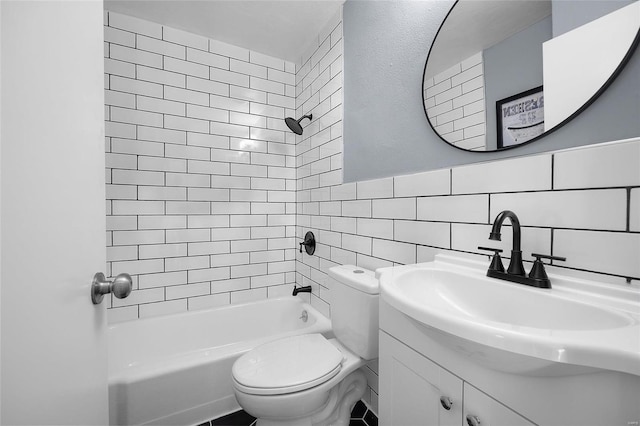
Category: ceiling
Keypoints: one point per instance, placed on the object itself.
(284, 29)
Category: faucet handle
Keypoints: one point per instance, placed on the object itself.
(547, 256)
(537, 270)
(496, 261)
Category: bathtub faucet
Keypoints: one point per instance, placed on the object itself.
(305, 289)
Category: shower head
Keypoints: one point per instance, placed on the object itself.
(294, 124)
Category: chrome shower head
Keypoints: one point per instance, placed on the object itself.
(294, 124)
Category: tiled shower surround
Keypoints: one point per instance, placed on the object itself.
(583, 204)
(200, 170)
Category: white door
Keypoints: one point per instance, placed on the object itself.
(54, 354)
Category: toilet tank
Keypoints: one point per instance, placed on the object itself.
(354, 309)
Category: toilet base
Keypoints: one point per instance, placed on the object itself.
(336, 411)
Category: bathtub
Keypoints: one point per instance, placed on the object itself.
(176, 370)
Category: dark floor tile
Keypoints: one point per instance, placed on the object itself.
(239, 418)
(357, 422)
(358, 410)
(371, 418)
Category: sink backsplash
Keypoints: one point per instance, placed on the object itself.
(583, 204)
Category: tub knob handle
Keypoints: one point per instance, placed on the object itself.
(120, 287)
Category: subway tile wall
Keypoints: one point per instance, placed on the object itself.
(454, 101)
(201, 170)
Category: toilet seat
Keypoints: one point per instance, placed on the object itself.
(287, 365)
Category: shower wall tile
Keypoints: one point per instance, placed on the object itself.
(201, 175)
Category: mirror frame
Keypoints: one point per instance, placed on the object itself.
(591, 100)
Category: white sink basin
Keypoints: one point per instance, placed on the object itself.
(576, 326)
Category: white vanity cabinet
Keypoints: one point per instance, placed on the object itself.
(416, 391)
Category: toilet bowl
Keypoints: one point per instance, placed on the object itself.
(308, 379)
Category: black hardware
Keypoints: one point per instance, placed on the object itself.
(309, 243)
(496, 260)
(294, 124)
(446, 402)
(515, 273)
(305, 289)
(515, 265)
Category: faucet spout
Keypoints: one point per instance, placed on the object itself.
(515, 266)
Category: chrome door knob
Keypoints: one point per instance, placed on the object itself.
(120, 287)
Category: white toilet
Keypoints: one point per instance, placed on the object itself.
(308, 379)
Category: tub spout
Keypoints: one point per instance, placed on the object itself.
(305, 289)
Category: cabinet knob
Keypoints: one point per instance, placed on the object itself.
(446, 402)
(473, 420)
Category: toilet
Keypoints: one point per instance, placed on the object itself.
(308, 379)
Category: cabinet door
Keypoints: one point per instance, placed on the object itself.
(487, 411)
(411, 387)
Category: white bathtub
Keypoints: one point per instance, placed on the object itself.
(176, 370)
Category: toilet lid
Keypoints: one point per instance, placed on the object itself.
(287, 365)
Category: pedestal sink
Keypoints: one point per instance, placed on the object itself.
(577, 326)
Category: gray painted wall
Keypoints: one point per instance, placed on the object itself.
(513, 66)
(386, 132)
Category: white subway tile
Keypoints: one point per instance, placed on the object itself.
(609, 252)
(394, 251)
(231, 208)
(185, 67)
(162, 222)
(118, 68)
(248, 95)
(428, 183)
(211, 274)
(186, 263)
(208, 194)
(162, 164)
(232, 130)
(378, 188)
(186, 124)
(208, 167)
(159, 105)
(132, 116)
(397, 208)
(267, 61)
(228, 50)
(206, 58)
(231, 182)
(129, 207)
(137, 87)
(185, 38)
(126, 238)
(127, 313)
(135, 56)
(122, 253)
(229, 77)
(188, 207)
(425, 233)
(205, 113)
(187, 235)
(357, 243)
(231, 259)
(161, 47)
(160, 251)
(361, 208)
(121, 161)
(249, 245)
(248, 170)
(210, 141)
(239, 271)
(266, 85)
(247, 119)
(162, 279)
(120, 130)
(246, 296)
(464, 208)
(161, 193)
(248, 68)
(184, 95)
(184, 179)
(114, 35)
(135, 25)
(122, 223)
(230, 234)
(209, 221)
(190, 290)
(208, 302)
(533, 174)
(590, 209)
(134, 177)
(149, 310)
(205, 85)
(608, 165)
(127, 146)
(208, 248)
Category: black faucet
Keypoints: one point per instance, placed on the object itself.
(515, 272)
(305, 289)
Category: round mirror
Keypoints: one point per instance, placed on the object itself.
(500, 74)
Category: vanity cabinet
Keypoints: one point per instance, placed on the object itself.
(416, 391)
